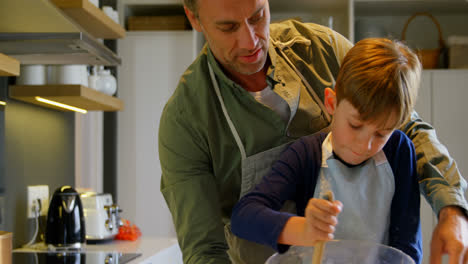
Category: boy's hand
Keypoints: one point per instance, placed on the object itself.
(318, 224)
(321, 219)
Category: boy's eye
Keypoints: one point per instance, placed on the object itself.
(380, 135)
(354, 126)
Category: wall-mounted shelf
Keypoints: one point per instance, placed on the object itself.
(409, 7)
(74, 95)
(91, 18)
(9, 66)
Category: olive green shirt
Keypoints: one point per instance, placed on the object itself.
(201, 163)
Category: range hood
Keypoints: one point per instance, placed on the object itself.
(37, 32)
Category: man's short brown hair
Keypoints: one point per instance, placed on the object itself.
(192, 6)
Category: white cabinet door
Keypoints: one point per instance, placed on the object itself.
(424, 109)
(152, 63)
(450, 110)
(424, 101)
(441, 102)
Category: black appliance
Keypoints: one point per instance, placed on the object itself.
(65, 220)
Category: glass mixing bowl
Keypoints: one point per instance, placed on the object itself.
(344, 252)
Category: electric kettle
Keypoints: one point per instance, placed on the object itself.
(65, 220)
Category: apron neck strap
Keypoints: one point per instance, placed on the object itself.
(226, 114)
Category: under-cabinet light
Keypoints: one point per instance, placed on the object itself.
(2, 103)
(69, 107)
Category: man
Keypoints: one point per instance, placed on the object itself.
(252, 90)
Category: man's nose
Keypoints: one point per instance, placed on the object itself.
(247, 38)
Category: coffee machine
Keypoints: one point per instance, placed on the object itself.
(65, 220)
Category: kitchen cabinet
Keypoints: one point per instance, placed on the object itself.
(69, 42)
(441, 102)
(356, 19)
(427, 216)
(8, 66)
(91, 18)
(334, 13)
(386, 18)
(449, 112)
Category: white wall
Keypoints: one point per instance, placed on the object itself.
(152, 63)
(89, 151)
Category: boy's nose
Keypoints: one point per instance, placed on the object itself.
(365, 144)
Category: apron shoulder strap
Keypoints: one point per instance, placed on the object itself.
(316, 155)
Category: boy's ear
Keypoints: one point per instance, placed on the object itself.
(330, 100)
(193, 19)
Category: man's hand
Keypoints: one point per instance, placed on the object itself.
(450, 236)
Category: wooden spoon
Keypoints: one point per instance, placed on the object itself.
(320, 245)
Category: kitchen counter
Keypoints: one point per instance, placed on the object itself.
(152, 249)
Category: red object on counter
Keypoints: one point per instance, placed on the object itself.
(128, 231)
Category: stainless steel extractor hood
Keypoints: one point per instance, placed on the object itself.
(56, 48)
(37, 32)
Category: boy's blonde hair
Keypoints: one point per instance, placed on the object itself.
(379, 75)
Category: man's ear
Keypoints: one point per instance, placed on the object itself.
(193, 19)
(330, 100)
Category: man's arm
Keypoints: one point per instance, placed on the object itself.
(443, 187)
(440, 180)
(191, 193)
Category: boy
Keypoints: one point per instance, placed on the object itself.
(368, 164)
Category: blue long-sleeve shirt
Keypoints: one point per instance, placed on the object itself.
(256, 216)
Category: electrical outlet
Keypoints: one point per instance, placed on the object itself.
(37, 192)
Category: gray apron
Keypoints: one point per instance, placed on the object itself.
(366, 192)
(254, 167)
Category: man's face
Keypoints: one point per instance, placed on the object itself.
(354, 140)
(237, 32)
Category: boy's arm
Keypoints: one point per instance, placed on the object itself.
(405, 227)
(257, 217)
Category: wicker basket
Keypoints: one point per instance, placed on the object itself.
(429, 57)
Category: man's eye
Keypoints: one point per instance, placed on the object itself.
(228, 28)
(256, 18)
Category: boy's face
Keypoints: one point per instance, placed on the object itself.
(354, 140)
